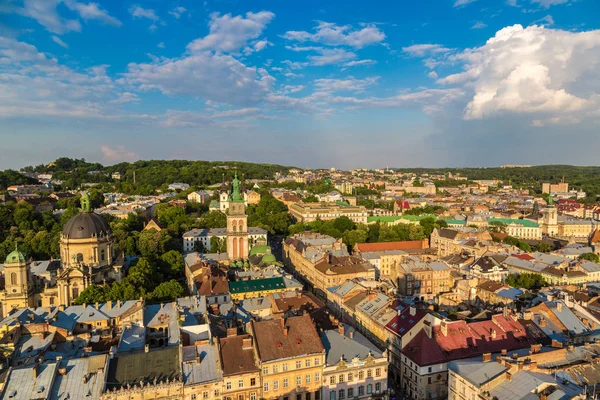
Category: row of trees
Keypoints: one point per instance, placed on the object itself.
(526, 281)
(144, 177)
(155, 279)
(351, 233)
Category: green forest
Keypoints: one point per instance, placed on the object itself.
(143, 177)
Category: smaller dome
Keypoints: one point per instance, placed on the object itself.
(269, 258)
(15, 257)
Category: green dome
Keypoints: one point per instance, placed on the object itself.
(15, 257)
(269, 258)
(259, 250)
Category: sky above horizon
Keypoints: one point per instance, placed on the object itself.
(346, 84)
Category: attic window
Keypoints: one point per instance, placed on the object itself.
(12, 394)
(40, 389)
(298, 341)
(279, 344)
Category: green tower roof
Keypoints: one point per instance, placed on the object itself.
(269, 258)
(15, 257)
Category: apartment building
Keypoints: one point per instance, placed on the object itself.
(291, 358)
(323, 261)
(241, 372)
(425, 280)
(309, 212)
(354, 368)
(424, 363)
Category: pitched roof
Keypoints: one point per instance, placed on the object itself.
(274, 343)
(387, 246)
(464, 340)
(159, 364)
(236, 359)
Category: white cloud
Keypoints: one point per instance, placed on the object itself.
(45, 12)
(210, 76)
(330, 56)
(58, 41)
(335, 35)
(118, 154)
(546, 73)
(433, 75)
(177, 12)
(260, 45)
(92, 11)
(350, 84)
(479, 25)
(546, 21)
(161, 45)
(422, 50)
(550, 3)
(126, 97)
(461, 3)
(360, 62)
(230, 34)
(292, 89)
(139, 12)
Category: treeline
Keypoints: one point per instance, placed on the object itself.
(145, 177)
(581, 178)
(11, 177)
(352, 233)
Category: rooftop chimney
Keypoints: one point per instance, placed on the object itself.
(146, 348)
(247, 343)
(341, 329)
(559, 306)
(35, 371)
(231, 332)
(351, 334)
(285, 330)
(413, 310)
(487, 357)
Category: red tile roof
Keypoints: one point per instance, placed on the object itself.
(404, 322)
(386, 246)
(464, 340)
(525, 257)
(285, 338)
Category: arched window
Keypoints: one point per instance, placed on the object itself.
(79, 257)
(13, 278)
(102, 255)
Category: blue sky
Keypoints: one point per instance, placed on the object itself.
(313, 84)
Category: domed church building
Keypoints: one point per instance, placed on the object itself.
(86, 252)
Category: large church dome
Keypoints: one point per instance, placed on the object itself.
(85, 226)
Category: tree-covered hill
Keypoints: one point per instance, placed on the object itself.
(143, 177)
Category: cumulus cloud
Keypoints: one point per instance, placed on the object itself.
(550, 3)
(92, 11)
(545, 73)
(45, 12)
(126, 97)
(479, 25)
(360, 62)
(177, 12)
(118, 154)
(229, 34)
(330, 56)
(421, 50)
(138, 12)
(216, 77)
(350, 84)
(335, 35)
(59, 42)
(461, 3)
